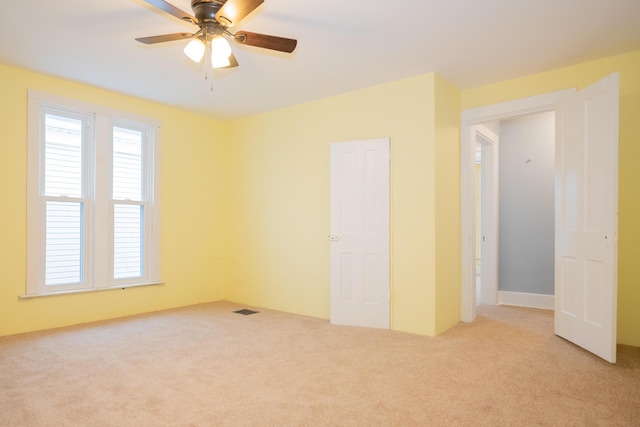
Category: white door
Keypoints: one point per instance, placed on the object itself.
(359, 235)
(587, 218)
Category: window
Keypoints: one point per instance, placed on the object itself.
(92, 198)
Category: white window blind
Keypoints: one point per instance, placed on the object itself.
(63, 156)
(63, 263)
(127, 164)
(128, 246)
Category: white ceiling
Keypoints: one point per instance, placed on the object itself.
(343, 45)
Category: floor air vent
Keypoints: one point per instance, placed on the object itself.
(245, 312)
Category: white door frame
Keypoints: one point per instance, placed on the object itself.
(488, 213)
(471, 118)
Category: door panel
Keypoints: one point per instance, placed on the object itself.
(586, 218)
(359, 237)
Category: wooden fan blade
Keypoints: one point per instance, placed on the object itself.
(234, 11)
(164, 38)
(172, 10)
(266, 41)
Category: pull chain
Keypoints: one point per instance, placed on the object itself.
(208, 64)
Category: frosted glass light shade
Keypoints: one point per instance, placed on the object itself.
(195, 50)
(220, 52)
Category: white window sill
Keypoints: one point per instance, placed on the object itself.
(79, 291)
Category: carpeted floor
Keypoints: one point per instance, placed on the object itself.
(208, 366)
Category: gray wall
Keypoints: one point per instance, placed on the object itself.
(526, 204)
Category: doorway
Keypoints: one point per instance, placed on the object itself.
(515, 211)
(586, 204)
(472, 127)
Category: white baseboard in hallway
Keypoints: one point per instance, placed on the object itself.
(523, 299)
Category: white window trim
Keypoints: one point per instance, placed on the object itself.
(100, 275)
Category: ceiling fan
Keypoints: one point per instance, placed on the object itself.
(215, 17)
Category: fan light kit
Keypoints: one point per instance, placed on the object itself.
(219, 47)
(215, 17)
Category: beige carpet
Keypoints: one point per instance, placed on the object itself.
(208, 366)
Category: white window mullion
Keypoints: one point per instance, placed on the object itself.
(88, 193)
(103, 217)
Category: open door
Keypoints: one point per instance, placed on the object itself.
(587, 218)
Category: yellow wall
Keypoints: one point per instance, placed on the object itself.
(580, 76)
(447, 204)
(259, 233)
(193, 221)
(280, 201)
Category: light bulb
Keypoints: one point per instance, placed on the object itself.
(195, 50)
(220, 52)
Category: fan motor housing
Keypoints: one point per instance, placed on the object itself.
(205, 10)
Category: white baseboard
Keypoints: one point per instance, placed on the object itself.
(522, 299)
